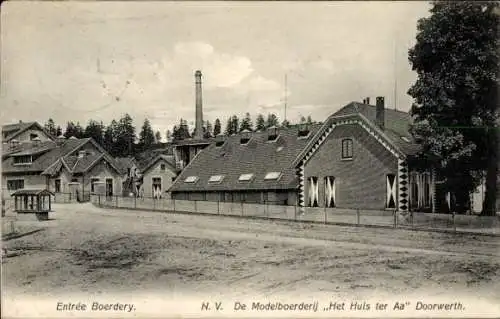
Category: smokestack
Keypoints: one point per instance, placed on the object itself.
(368, 100)
(380, 112)
(199, 107)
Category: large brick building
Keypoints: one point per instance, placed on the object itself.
(355, 159)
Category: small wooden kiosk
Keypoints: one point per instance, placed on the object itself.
(37, 201)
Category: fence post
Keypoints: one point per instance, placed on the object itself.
(218, 207)
(395, 218)
(12, 227)
(116, 201)
(412, 223)
(173, 200)
(154, 203)
(454, 225)
(99, 199)
(325, 213)
(242, 209)
(357, 216)
(195, 206)
(295, 212)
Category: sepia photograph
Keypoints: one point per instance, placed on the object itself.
(250, 159)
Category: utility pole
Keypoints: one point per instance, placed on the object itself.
(286, 93)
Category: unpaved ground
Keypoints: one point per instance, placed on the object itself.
(87, 249)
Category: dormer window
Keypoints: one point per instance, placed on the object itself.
(14, 143)
(215, 179)
(245, 177)
(191, 179)
(219, 140)
(347, 149)
(272, 176)
(23, 160)
(303, 130)
(33, 136)
(272, 134)
(246, 135)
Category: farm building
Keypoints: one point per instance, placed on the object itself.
(58, 165)
(358, 158)
(24, 132)
(157, 176)
(250, 167)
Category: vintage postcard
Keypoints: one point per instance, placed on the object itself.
(250, 159)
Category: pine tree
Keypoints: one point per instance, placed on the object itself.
(217, 127)
(246, 123)
(50, 127)
(95, 131)
(146, 136)
(157, 137)
(260, 123)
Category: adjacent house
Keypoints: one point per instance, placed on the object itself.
(63, 166)
(24, 132)
(158, 176)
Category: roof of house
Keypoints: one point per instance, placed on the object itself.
(9, 131)
(169, 159)
(395, 132)
(397, 124)
(258, 157)
(43, 160)
(50, 157)
(124, 163)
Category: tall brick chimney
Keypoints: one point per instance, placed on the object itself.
(199, 106)
(380, 112)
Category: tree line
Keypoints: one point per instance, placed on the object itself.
(119, 136)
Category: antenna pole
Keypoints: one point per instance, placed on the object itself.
(395, 73)
(286, 91)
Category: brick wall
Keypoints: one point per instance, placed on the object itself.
(360, 182)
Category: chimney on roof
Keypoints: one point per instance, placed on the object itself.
(81, 154)
(20, 121)
(246, 135)
(199, 106)
(272, 133)
(380, 112)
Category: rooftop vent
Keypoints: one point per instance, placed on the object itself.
(215, 179)
(246, 135)
(272, 176)
(245, 177)
(366, 100)
(191, 179)
(81, 154)
(220, 139)
(272, 134)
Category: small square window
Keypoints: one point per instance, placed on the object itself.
(272, 176)
(216, 179)
(191, 179)
(347, 148)
(162, 167)
(245, 177)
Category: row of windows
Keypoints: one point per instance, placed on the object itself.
(23, 160)
(217, 179)
(15, 184)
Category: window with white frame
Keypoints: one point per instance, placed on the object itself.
(191, 179)
(347, 148)
(245, 177)
(272, 176)
(215, 179)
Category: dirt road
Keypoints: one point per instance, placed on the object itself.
(88, 249)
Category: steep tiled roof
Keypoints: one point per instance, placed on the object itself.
(397, 124)
(258, 157)
(43, 161)
(26, 148)
(9, 131)
(169, 159)
(123, 163)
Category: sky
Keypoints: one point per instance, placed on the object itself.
(76, 61)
